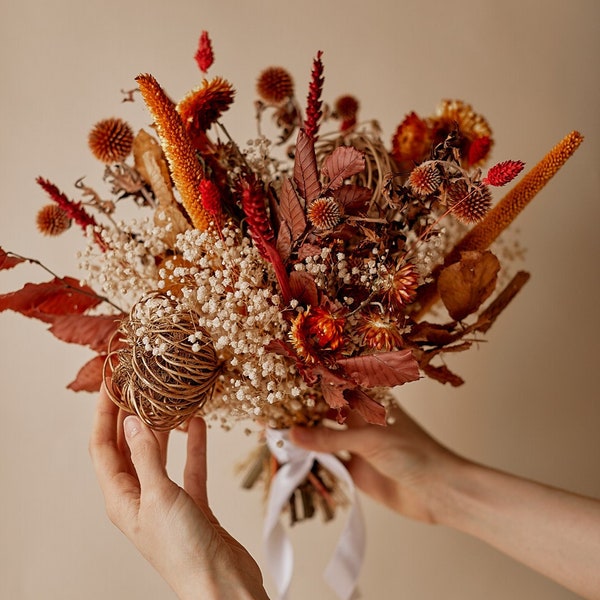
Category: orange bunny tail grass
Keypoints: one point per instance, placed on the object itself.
(503, 214)
(185, 168)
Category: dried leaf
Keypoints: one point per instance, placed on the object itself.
(370, 410)
(284, 241)
(8, 261)
(342, 163)
(304, 288)
(353, 198)
(291, 210)
(45, 301)
(306, 175)
(89, 378)
(94, 331)
(465, 285)
(432, 333)
(307, 250)
(381, 369)
(151, 164)
(443, 374)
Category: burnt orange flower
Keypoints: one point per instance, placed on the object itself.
(317, 332)
(379, 332)
(204, 105)
(411, 142)
(399, 287)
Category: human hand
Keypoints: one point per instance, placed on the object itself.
(172, 527)
(400, 465)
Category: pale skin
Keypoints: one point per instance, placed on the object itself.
(552, 531)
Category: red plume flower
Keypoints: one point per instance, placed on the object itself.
(503, 172)
(204, 55)
(313, 107)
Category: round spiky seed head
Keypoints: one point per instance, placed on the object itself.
(111, 140)
(324, 213)
(469, 204)
(346, 107)
(275, 85)
(52, 220)
(425, 179)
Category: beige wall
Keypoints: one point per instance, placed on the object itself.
(531, 402)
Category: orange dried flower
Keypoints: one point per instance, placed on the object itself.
(324, 213)
(411, 141)
(201, 107)
(425, 179)
(474, 130)
(275, 85)
(469, 204)
(52, 220)
(316, 331)
(399, 288)
(379, 333)
(111, 140)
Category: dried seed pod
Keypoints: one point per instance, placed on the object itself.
(162, 373)
(111, 140)
(52, 220)
(275, 85)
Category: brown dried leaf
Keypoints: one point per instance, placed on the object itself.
(353, 198)
(306, 175)
(443, 374)
(151, 164)
(304, 288)
(44, 301)
(284, 241)
(342, 163)
(307, 250)
(386, 369)
(94, 331)
(466, 284)
(7, 261)
(291, 211)
(370, 410)
(89, 378)
(432, 333)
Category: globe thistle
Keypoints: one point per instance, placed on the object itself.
(52, 220)
(469, 204)
(425, 179)
(111, 140)
(324, 213)
(275, 85)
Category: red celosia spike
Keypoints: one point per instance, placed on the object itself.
(204, 55)
(479, 149)
(503, 172)
(254, 207)
(313, 107)
(211, 200)
(74, 210)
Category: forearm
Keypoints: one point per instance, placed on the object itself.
(552, 531)
(212, 586)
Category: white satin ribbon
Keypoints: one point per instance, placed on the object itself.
(344, 567)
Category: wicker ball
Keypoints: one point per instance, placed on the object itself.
(166, 369)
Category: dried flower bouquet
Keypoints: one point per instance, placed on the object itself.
(283, 282)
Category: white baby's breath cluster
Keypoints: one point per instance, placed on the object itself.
(126, 269)
(223, 279)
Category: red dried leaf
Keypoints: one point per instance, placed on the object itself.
(8, 261)
(94, 331)
(89, 377)
(342, 163)
(306, 175)
(353, 198)
(307, 250)
(385, 369)
(44, 301)
(370, 410)
(284, 241)
(466, 284)
(443, 374)
(291, 211)
(304, 288)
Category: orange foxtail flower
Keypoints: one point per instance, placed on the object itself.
(185, 168)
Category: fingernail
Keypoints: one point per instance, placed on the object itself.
(131, 425)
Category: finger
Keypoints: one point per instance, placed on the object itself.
(146, 454)
(163, 442)
(195, 472)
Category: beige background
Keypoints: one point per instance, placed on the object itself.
(530, 404)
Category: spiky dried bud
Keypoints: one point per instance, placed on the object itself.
(324, 213)
(469, 204)
(111, 140)
(379, 332)
(503, 172)
(425, 179)
(52, 220)
(275, 85)
(204, 55)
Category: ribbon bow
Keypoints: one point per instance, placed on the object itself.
(344, 566)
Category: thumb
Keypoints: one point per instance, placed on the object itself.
(145, 452)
